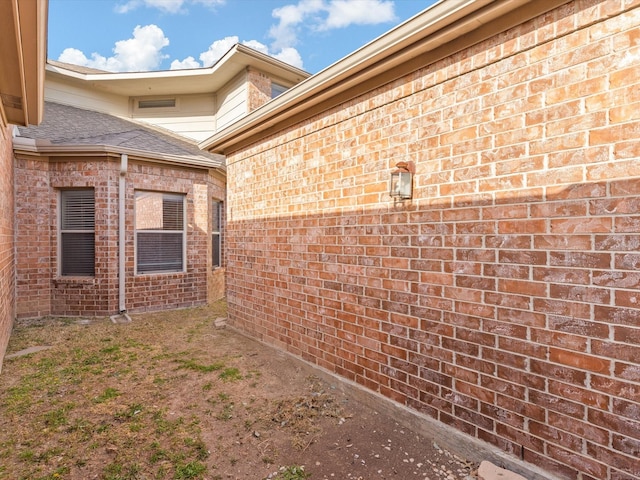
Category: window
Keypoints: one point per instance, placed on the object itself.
(160, 232)
(216, 234)
(277, 89)
(77, 234)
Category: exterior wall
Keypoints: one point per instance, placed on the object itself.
(171, 290)
(193, 117)
(34, 242)
(41, 291)
(258, 89)
(66, 94)
(503, 299)
(7, 252)
(231, 102)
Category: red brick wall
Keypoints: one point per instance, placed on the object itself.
(97, 295)
(42, 292)
(502, 300)
(7, 255)
(33, 237)
(172, 290)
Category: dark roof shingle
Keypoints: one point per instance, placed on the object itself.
(63, 124)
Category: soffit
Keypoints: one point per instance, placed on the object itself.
(22, 57)
(181, 82)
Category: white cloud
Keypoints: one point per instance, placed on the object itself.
(256, 45)
(166, 6)
(322, 15)
(143, 52)
(291, 56)
(74, 57)
(343, 13)
(218, 48)
(187, 63)
(289, 18)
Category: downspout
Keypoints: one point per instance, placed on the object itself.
(122, 184)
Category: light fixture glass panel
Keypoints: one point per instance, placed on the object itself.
(401, 185)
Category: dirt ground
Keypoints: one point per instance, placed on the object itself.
(172, 396)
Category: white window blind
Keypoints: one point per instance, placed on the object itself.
(77, 234)
(160, 232)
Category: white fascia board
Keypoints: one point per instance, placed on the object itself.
(183, 81)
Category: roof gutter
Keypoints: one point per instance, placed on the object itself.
(27, 146)
(456, 24)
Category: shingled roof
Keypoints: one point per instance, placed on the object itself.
(65, 125)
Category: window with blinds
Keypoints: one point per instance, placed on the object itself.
(77, 234)
(216, 234)
(160, 232)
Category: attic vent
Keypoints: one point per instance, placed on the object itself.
(158, 103)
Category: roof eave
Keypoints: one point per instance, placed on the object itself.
(444, 22)
(28, 146)
(184, 81)
(23, 46)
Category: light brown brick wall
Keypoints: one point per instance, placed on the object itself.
(7, 252)
(41, 291)
(503, 300)
(258, 89)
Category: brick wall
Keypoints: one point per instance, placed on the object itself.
(503, 299)
(33, 240)
(7, 253)
(172, 290)
(77, 295)
(258, 89)
(41, 291)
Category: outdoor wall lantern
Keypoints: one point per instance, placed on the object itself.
(401, 181)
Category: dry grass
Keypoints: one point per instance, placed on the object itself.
(165, 397)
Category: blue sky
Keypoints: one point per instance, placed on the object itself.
(142, 35)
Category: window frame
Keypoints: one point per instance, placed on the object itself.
(216, 232)
(182, 232)
(277, 89)
(63, 231)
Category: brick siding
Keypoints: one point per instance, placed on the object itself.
(33, 242)
(503, 300)
(258, 89)
(41, 291)
(7, 252)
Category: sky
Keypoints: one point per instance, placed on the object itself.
(148, 35)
